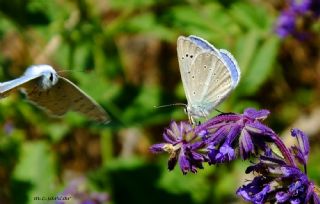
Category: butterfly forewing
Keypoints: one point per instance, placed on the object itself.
(187, 52)
(9, 86)
(65, 96)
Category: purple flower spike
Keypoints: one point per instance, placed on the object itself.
(231, 134)
(184, 146)
(277, 177)
(289, 184)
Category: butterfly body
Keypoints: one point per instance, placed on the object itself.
(49, 76)
(53, 93)
(208, 74)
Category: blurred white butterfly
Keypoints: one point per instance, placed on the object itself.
(56, 94)
(208, 75)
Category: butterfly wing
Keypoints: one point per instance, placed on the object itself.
(9, 86)
(65, 96)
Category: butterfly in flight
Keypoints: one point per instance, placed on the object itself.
(53, 93)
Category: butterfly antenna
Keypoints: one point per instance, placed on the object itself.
(170, 105)
(218, 110)
(68, 70)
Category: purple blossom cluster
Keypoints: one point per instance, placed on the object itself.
(229, 136)
(280, 182)
(297, 11)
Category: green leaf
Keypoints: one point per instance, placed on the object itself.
(246, 48)
(176, 183)
(81, 55)
(249, 15)
(37, 166)
(261, 66)
(142, 105)
(106, 146)
(130, 4)
(56, 131)
(198, 21)
(143, 22)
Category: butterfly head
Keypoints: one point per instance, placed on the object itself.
(49, 76)
(49, 79)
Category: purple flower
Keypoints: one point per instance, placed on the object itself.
(228, 135)
(306, 6)
(184, 146)
(301, 6)
(278, 181)
(298, 11)
(286, 24)
(78, 192)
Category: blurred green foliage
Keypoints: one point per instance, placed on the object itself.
(123, 54)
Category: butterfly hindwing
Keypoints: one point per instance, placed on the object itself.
(210, 81)
(83, 103)
(232, 66)
(54, 100)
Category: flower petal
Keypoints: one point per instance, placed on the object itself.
(184, 164)
(282, 196)
(157, 148)
(302, 150)
(246, 145)
(225, 154)
(256, 114)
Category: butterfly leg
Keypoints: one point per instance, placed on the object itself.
(191, 120)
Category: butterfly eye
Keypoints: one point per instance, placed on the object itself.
(51, 77)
